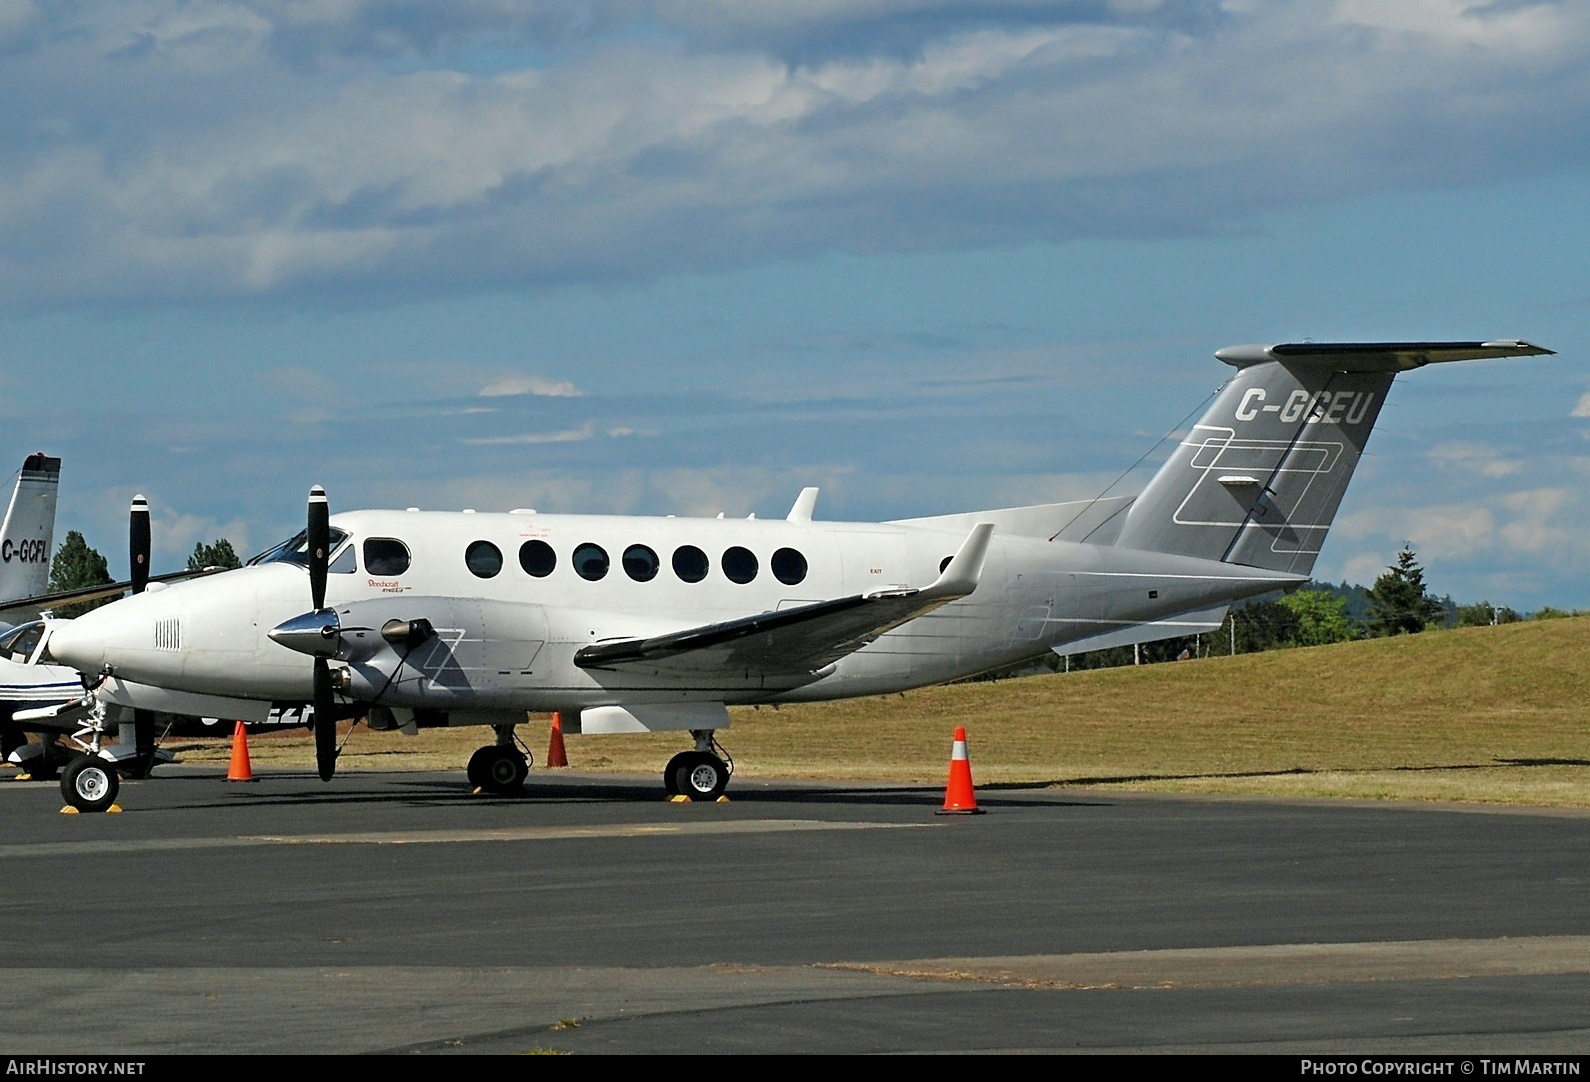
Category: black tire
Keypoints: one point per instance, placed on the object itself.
(11, 738)
(702, 777)
(47, 766)
(671, 772)
(479, 769)
(505, 772)
(90, 783)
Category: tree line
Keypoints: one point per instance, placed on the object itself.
(1399, 603)
(78, 566)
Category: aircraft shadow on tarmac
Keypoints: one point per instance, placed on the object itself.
(437, 792)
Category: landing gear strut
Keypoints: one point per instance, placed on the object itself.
(499, 768)
(701, 774)
(90, 781)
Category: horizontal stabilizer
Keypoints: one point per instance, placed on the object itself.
(1377, 356)
(797, 640)
(1172, 627)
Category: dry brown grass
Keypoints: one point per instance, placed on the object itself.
(1489, 714)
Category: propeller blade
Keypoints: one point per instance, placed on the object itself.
(325, 721)
(138, 543)
(318, 537)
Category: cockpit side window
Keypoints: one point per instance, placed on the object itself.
(19, 642)
(385, 556)
(344, 562)
(295, 550)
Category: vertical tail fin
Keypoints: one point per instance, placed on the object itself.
(1258, 480)
(28, 533)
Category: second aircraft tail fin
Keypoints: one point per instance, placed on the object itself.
(28, 532)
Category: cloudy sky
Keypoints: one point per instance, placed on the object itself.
(686, 257)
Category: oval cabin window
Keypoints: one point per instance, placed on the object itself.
(590, 561)
(537, 558)
(739, 564)
(641, 563)
(789, 567)
(483, 559)
(690, 563)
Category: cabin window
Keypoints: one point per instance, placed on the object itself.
(789, 567)
(641, 563)
(590, 561)
(690, 563)
(537, 558)
(483, 559)
(384, 556)
(739, 564)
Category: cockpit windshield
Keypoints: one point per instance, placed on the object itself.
(295, 550)
(19, 642)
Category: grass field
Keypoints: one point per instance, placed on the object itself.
(1482, 714)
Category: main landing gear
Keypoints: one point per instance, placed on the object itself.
(499, 768)
(701, 774)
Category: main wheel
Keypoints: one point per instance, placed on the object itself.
(671, 772)
(90, 784)
(507, 772)
(478, 770)
(702, 776)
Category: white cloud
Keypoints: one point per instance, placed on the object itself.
(213, 149)
(518, 385)
(1582, 407)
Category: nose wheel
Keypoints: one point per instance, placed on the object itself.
(498, 769)
(90, 784)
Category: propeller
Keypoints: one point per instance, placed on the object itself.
(317, 538)
(138, 546)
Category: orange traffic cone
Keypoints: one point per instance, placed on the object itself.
(239, 770)
(959, 796)
(556, 755)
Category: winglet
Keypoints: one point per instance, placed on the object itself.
(961, 574)
(804, 504)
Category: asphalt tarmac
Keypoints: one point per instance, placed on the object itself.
(396, 912)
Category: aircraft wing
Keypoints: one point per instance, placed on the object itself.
(94, 593)
(798, 640)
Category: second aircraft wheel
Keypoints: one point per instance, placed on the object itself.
(701, 776)
(89, 784)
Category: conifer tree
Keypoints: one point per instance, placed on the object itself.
(220, 554)
(77, 567)
(1398, 602)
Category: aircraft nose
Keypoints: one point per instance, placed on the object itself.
(84, 642)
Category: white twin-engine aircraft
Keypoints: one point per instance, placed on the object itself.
(624, 624)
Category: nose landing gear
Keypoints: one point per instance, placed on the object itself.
(699, 775)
